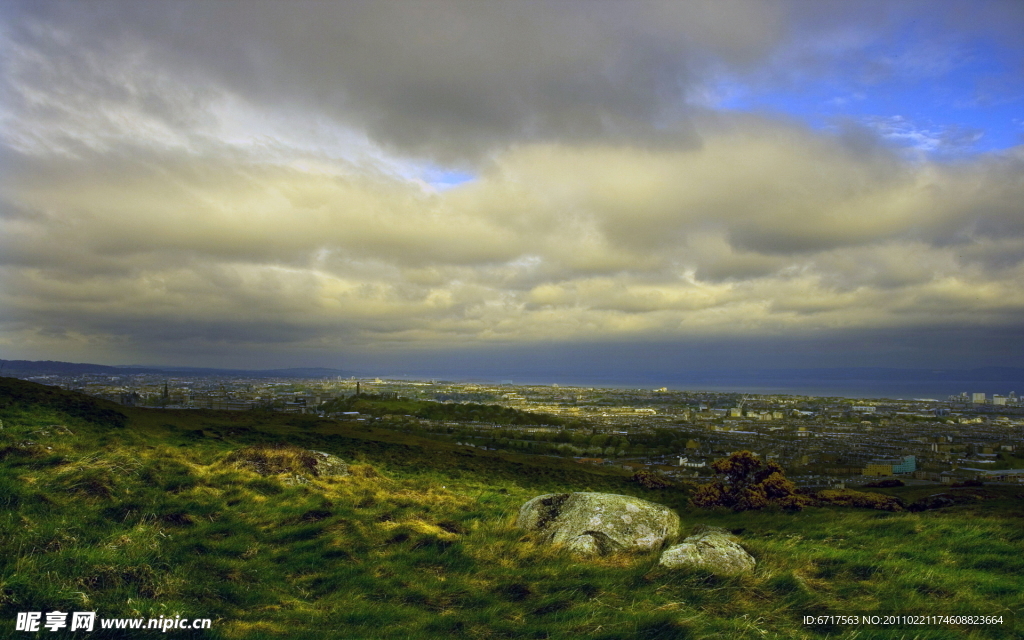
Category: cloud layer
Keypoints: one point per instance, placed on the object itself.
(192, 179)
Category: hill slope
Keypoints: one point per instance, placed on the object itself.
(143, 513)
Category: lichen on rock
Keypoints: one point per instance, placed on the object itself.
(598, 523)
(711, 548)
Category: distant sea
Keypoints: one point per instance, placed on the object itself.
(849, 382)
(772, 383)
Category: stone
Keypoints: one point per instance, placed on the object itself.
(711, 548)
(301, 465)
(598, 523)
(329, 465)
(935, 501)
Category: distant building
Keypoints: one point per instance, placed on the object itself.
(230, 405)
(998, 400)
(989, 475)
(880, 469)
(908, 465)
(978, 398)
(891, 467)
(696, 464)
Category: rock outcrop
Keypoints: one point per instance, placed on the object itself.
(598, 523)
(328, 464)
(301, 465)
(943, 500)
(710, 548)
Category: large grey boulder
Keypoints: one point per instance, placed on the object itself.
(710, 548)
(598, 523)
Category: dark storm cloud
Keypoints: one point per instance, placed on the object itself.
(444, 79)
(200, 177)
(452, 79)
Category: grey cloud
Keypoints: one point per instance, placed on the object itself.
(454, 80)
(135, 205)
(556, 241)
(448, 80)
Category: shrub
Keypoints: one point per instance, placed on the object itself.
(885, 484)
(650, 480)
(848, 498)
(746, 482)
(969, 483)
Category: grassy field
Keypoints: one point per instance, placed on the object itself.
(144, 515)
(375, 405)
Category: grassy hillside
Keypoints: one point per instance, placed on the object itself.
(461, 411)
(133, 512)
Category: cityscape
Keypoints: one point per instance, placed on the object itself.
(831, 442)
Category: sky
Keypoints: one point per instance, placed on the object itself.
(556, 187)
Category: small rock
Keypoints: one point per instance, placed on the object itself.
(711, 548)
(330, 465)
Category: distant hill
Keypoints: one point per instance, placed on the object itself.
(28, 396)
(51, 367)
(375, 405)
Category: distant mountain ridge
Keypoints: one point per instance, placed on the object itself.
(52, 367)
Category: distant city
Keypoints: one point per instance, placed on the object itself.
(821, 441)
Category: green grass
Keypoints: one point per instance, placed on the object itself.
(375, 405)
(151, 518)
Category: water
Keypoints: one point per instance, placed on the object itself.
(867, 389)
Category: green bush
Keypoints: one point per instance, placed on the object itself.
(746, 482)
(650, 480)
(886, 483)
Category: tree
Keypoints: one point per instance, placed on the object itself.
(745, 482)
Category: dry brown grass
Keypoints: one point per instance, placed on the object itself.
(298, 464)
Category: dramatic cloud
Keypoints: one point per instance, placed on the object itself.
(181, 181)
